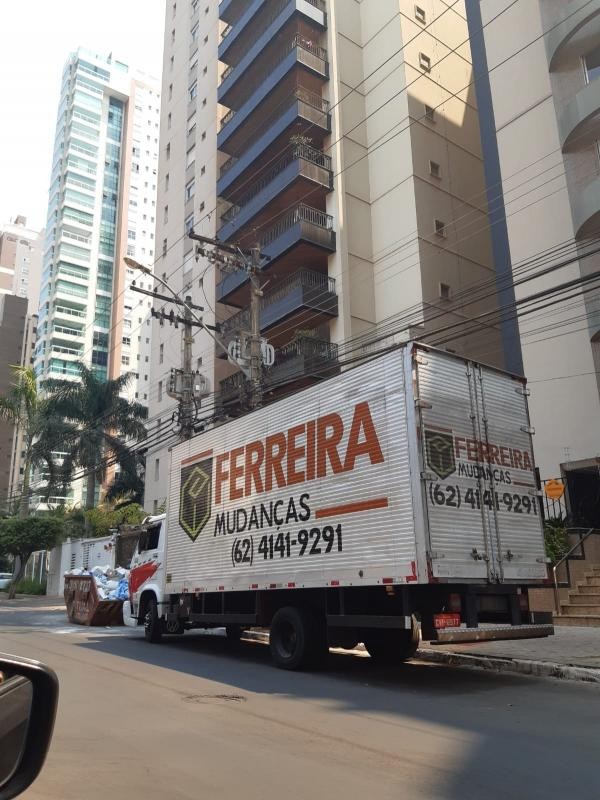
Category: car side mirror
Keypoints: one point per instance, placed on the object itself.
(28, 700)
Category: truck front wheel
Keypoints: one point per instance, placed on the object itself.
(297, 639)
(392, 646)
(153, 626)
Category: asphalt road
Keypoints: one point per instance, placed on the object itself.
(196, 717)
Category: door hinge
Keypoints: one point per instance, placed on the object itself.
(528, 429)
(523, 391)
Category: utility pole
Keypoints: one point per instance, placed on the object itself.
(255, 337)
(187, 389)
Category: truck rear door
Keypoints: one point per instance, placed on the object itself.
(460, 537)
(477, 471)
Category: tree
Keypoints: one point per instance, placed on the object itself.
(128, 483)
(107, 517)
(103, 420)
(42, 431)
(21, 537)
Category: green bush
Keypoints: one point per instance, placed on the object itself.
(556, 540)
(31, 586)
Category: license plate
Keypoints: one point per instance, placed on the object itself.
(446, 621)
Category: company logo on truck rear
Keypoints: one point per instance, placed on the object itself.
(447, 453)
(314, 449)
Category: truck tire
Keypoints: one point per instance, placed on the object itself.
(392, 646)
(297, 639)
(153, 627)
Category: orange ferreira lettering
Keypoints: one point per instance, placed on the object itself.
(306, 450)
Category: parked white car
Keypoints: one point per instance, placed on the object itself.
(5, 579)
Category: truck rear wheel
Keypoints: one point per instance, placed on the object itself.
(392, 646)
(153, 626)
(297, 639)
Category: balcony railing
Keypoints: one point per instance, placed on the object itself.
(68, 350)
(311, 99)
(301, 213)
(68, 331)
(294, 153)
(297, 41)
(322, 286)
(72, 312)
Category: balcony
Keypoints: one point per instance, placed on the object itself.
(578, 119)
(65, 312)
(241, 82)
(301, 362)
(306, 297)
(67, 352)
(273, 132)
(232, 10)
(70, 335)
(306, 229)
(302, 171)
(565, 29)
(250, 25)
(585, 208)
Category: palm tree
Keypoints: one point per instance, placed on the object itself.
(42, 431)
(103, 419)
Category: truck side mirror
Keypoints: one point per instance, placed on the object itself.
(28, 700)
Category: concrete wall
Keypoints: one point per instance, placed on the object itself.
(536, 180)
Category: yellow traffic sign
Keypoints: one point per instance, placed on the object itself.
(554, 489)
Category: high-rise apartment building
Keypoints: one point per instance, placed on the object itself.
(21, 261)
(102, 206)
(343, 138)
(541, 144)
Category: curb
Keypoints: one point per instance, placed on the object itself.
(535, 669)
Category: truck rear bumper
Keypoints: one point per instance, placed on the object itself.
(488, 633)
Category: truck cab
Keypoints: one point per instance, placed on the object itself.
(146, 576)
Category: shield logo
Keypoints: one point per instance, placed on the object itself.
(195, 497)
(439, 448)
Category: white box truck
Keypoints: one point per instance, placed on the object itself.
(397, 494)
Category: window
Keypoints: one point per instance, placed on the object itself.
(193, 91)
(125, 361)
(205, 70)
(131, 235)
(168, 152)
(161, 354)
(127, 340)
(204, 102)
(206, 40)
(156, 469)
(170, 91)
(189, 223)
(164, 247)
(203, 170)
(430, 113)
(434, 169)
(160, 385)
(169, 120)
(203, 135)
(172, 63)
(190, 189)
(174, 8)
(440, 228)
(173, 36)
(190, 156)
(420, 14)
(166, 185)
(424, 62)
(445, 291)
(591, 64)
(202, 206)
(166, 214)
(198, 362)
(194, 31)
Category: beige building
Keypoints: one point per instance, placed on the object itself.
(16, 330)
(21, 261)
(548, 164)
(343, 137)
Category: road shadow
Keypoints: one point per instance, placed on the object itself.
(519, 724)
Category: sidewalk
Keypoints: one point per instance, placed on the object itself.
(571, 654)
(31, 602)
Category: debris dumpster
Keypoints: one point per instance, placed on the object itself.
(84, 605)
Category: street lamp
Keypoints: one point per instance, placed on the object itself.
(133, 264)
